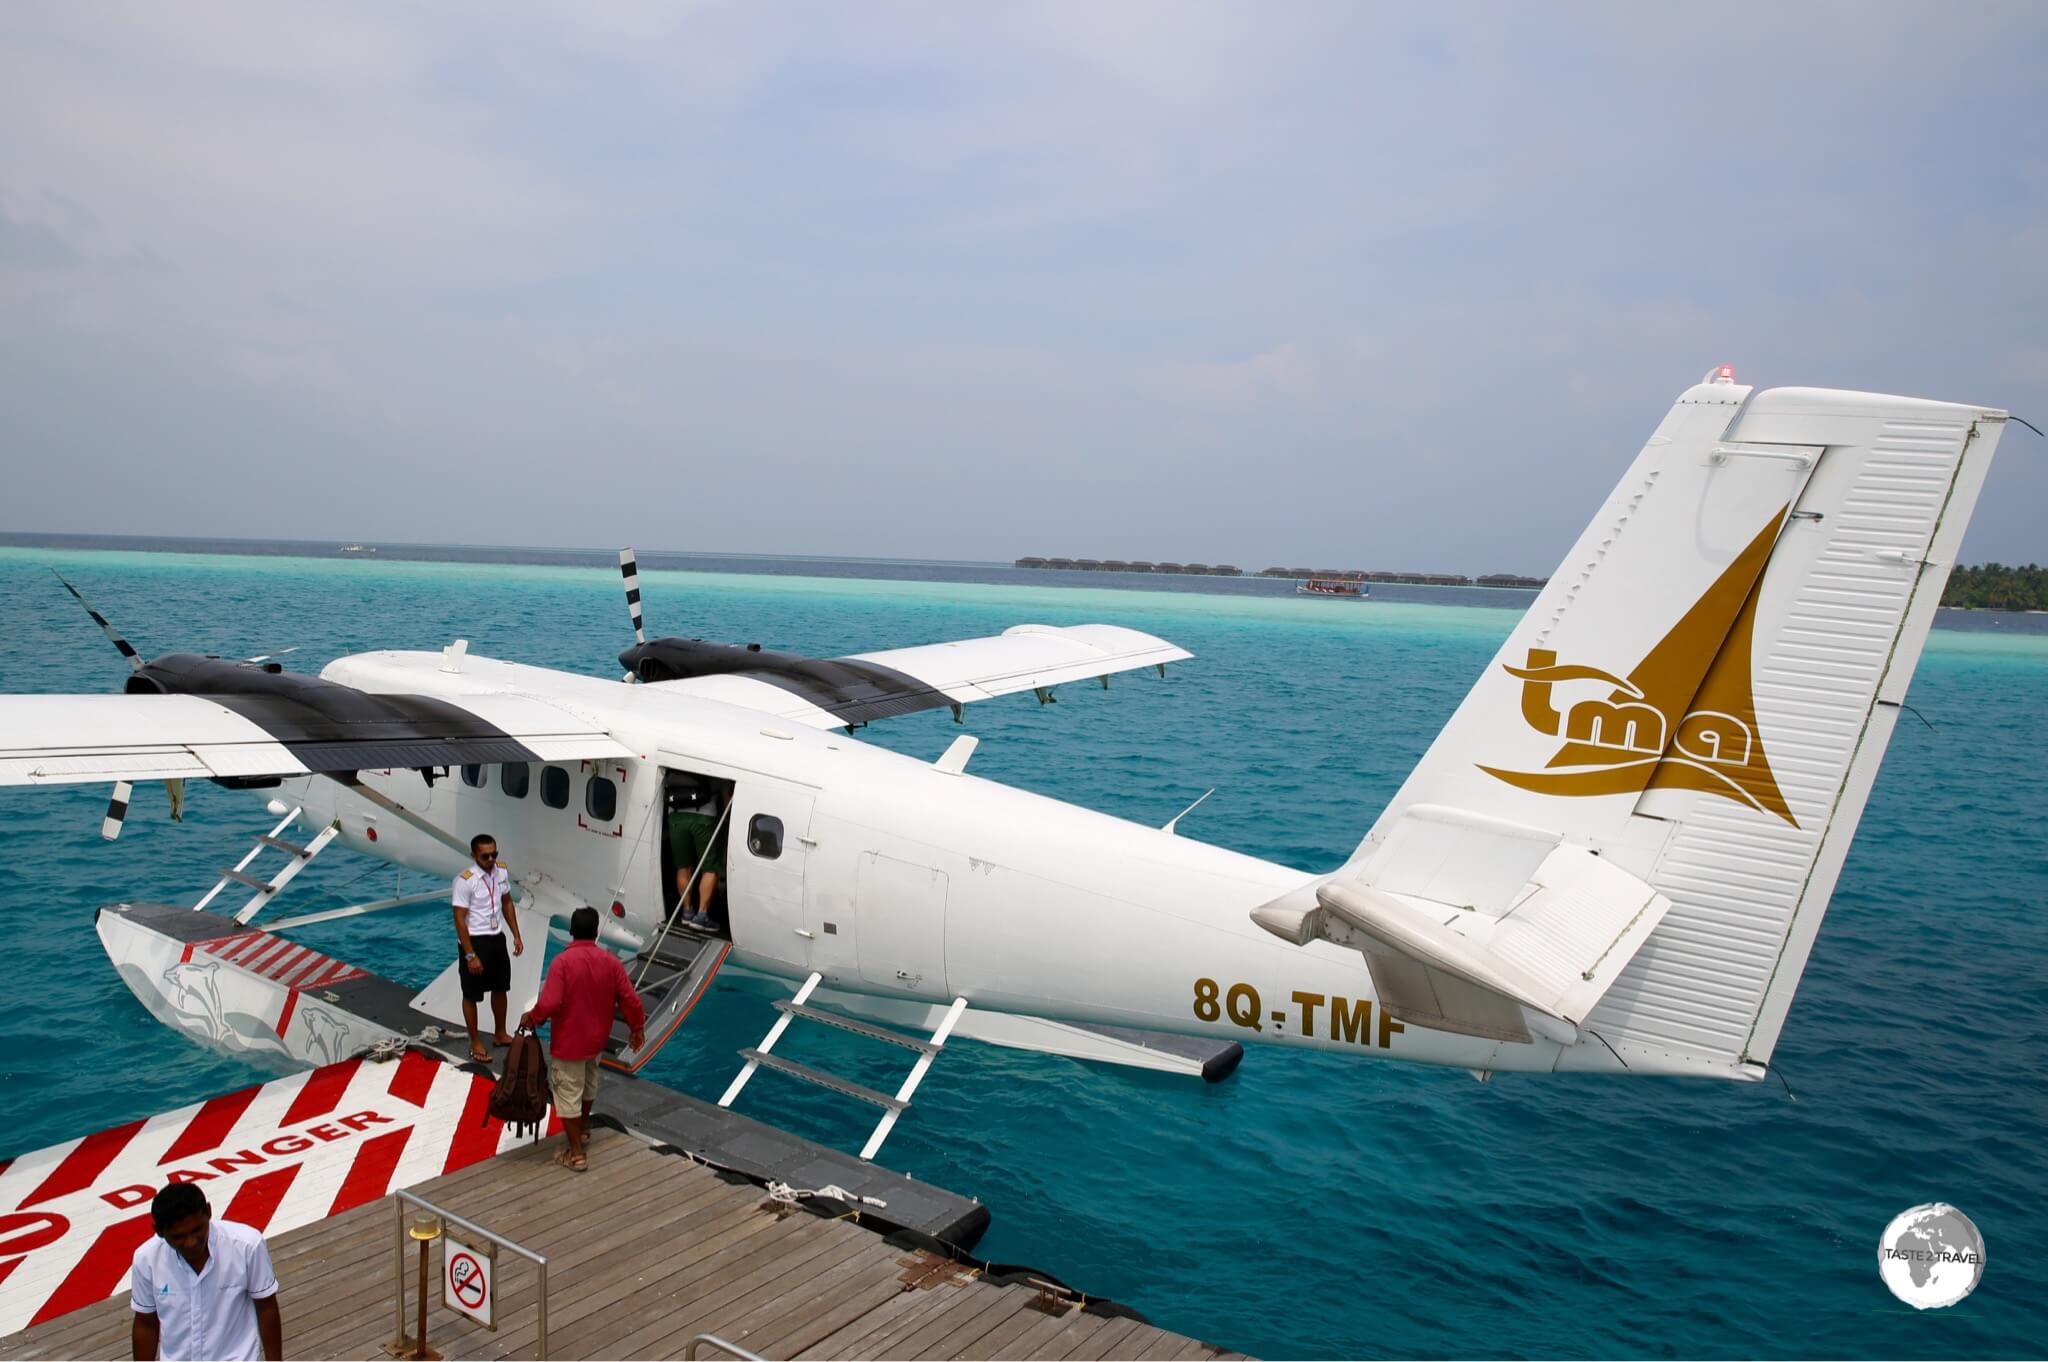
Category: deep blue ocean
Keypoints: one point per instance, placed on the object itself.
(1311, 1205)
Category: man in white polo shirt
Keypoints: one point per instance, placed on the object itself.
(483, 914)
(202, 1288)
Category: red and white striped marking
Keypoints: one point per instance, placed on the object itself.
(275, 958)
(285, 1154)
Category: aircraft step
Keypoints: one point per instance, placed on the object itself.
(663, 958)
(845, 1086)
(670, 983)
(859, 1028)
(892, 1107)
(266, 889)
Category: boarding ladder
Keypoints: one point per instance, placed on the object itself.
(892, 1107)
(298, 856)
(670, 974)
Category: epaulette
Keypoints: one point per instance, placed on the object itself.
(465, 874)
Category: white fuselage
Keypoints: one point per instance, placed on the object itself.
(889, 876)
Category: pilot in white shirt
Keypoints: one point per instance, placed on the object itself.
(203, 1288)
(482, 897)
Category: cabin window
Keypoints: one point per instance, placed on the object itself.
(513, 777)
(601, 799)
(764, 836)
(473, 777)
(554, 787)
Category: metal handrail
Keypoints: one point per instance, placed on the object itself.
(401, 1197)
(715, 1341)
(683, 899)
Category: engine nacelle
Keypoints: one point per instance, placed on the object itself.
(674, 659)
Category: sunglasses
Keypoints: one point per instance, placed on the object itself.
(487, 855)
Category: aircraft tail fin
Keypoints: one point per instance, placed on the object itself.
(1700, 696)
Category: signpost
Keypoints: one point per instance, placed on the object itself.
(469, 1280)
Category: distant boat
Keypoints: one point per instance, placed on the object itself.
(1327, 586)
(355, 548)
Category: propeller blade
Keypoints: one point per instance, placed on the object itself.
(265, 657)
(629, 568)
(117, 810)
(127, 648)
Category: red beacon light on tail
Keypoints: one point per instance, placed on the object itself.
(1724, 373)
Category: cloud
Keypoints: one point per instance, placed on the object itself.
(1402, 287)
(32, 244)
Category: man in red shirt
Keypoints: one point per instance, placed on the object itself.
(583, 984)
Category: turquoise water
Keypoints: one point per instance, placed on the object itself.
(1312, 1205)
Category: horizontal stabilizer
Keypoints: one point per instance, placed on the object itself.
(1535, 957)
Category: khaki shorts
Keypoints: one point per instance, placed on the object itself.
(574, 1082)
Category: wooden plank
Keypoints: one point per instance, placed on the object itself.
(1161, 1347)
(73, 1334)
(1001, 1341)
(1042, 1332)
(731, 1303)
(1079, 1330)
(864, 1262)
(1097, 1344)
(1127, 1348)
(567, 1267)
(617, 1305)
(755, 1258)
(585, 1315)
(872, 1283)
(97, 1330)
(1000, 1307)
(840, 1343)
(975, 1298)
(875, 1344)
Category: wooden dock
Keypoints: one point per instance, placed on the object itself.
(646, 1251)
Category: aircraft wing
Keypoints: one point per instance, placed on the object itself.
(64, 739)
(835, 692)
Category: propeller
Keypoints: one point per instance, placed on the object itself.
(629, 568)
(117, 806)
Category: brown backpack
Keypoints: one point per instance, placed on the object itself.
(522, 1097)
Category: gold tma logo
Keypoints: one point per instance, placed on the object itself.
(1684, 719)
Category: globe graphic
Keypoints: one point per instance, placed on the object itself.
(1931, 1256)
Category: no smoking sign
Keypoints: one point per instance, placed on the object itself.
(466, 1280)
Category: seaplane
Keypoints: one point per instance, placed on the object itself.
(1613, 859)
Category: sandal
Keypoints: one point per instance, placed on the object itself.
(575, 1163)
(479, 1055)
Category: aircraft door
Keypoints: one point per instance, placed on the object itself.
(900, 931)
(768, 847)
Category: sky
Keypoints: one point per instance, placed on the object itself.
(1365, 285)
